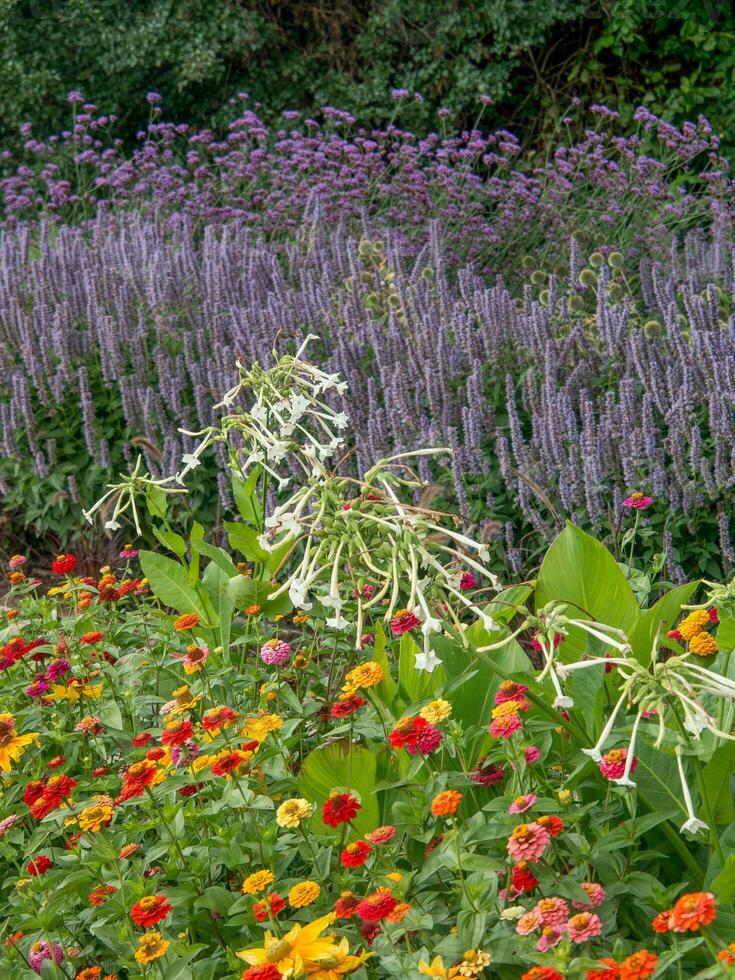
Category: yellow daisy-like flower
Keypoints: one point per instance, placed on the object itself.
(301, 950)
(702, 645)
(303, 894)
(12, 745)
(474, 962)
(258, 881)
(183, 700)
(72, 694)
(201, 762)
(365, 675)
(436, 968)
(95, 816)
(292, 812)
(693, 623)
(256, 729)
(151, 946)
(511, 707)
(436, 711)
(395, 876)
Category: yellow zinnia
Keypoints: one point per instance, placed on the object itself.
(436, 711)
(365, 675)
(12, 745)
(94, 816)
(292, 812)
(151, 947)
(303, 894)
(256, 729)
(300, 951)
(258, 881)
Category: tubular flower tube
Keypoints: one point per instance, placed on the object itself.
(692, 824)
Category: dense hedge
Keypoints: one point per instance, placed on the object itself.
(528, 55)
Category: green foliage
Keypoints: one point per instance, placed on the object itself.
(676, 57)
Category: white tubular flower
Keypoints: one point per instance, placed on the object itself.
(427, 660)
(595, 752)
(625, 779)
(692, 824)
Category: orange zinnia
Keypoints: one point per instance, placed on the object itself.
(727, 956)
(446, 802)
(638, 966)
(662, 922)
(187, 621)
(692, 911)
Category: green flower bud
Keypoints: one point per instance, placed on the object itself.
(652, 328)
(574, 302)
(596, 260)
(527, 262)
(587, 278)
(538, 278)
(615, 260)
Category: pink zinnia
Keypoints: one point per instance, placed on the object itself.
(16, 561)
(528, 841)
(382, 835)
(58, 668)
(7, 823)
(595, 893)
(468, 581)
(532, 754)
(505, 726)
(550, 936)
(42, 951)
(638, 501)
(429, 739)
(553, 911)
(522, 803)
(612, 764)
(584, 926)
(509, 691)
(528, 923)
(403, 621)
(275, 652)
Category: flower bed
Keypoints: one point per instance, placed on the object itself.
(351, 749)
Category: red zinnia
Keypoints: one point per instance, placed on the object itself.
(89, 638)
(39, 865)
(100, 893)
(554, 825)
(340, 808)
(142, 739)
(227, 764)
(355, 854)
(178, 733)
(346, 706)
(345, 905)
(523, 878)
(375, 907)
(263, 971)
(542, 973)
(150, 910)
(63, 564)
(217, 718)
(260, 909)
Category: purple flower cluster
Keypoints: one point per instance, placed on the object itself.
(547, 405)
(492, 197)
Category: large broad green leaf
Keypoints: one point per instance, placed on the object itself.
(718, 780)
(169, 582)
(244, 591)
(657, 778)
(726, 634)
(661, 616)
(216, 581)
(246, 499)
(245, 540)
(343, 767)
(723, 884)
(416, 684)
(579, 570)
(386, 690)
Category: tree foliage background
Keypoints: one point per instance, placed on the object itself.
(531, 56)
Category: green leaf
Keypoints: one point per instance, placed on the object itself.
(169, 539)
(579, 570)
(243, 591)
(718, 779)
(156, 501)
(245, 540)
(169, 582)
(661, 616)
(347, 767)
(723, 884)
(726, 634)
(216, 582)
(657, 778)
(386, 690)
(245, 498)
(416, 684)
